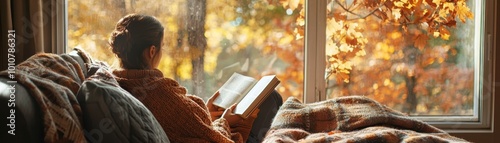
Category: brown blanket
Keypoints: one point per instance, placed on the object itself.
(349, 119)
(53, 80)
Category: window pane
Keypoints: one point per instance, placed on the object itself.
(203, 48)
(417, 57)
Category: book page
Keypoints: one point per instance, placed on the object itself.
(256, 95)
(233, 90)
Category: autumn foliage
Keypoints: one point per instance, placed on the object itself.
(407, 54)
(400, 52)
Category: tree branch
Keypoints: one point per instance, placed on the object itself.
(359, 15)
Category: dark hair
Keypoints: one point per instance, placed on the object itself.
(132, 35)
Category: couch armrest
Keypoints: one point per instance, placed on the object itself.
(27, 118)
(74, 54)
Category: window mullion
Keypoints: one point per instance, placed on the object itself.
(315, 41)
(61, 26)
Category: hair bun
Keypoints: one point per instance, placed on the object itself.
(132, 35)
(120, 42)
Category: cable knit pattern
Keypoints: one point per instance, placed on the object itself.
(184, 118)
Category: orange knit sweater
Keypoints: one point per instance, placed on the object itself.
(185, 118)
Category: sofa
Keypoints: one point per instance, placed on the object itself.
(99, 106)
(27, 127)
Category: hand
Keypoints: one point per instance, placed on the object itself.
(245, 126)
(232, 118)
(215, 111)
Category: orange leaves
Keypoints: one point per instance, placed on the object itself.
(371, 3)
(292, 4)
(463, 11)
(420, 41)
(396, 13)
(445, 34)
(344, 42)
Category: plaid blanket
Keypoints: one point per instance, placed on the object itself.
(349, 119)
(53, 81)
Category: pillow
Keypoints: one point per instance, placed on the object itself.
(111, 114)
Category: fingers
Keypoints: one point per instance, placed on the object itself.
(226, 113)
(211, 99)
(233, 107)
(216, 113)
(229, 110)
(220, 108)
(255, 113)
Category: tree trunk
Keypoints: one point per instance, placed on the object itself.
(411, 56)
(197, 41)
(181, 40)
(411, 99)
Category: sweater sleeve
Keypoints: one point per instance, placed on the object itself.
(186, 118)
(221, 125)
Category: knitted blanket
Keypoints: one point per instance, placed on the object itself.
(349, 119)
(53, 81)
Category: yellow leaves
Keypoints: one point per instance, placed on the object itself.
(361, 52)
(396, 13)
(286, 40)
(398, 4)
(299, 33)
(333, 27)
(395, 35)
(436, 2)
(447, 8)
(184, 69)
(387, 82)
(445, 34)
(463, 11)
(301, 21)
(341, 70)
(344, 42)
(345, 48)
(436, 34)
(331, 48)
(293, 4)
(375, 86)
(384, 50)
(211, 59)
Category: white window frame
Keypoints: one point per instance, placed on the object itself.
(61, 23)
(315, 41)
(480, 122)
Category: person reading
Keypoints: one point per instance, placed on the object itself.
(137, 42)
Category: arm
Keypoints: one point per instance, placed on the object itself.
(237, 124)
(185, 118)
(220, 125)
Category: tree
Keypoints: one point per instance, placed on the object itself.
(397, 52)
(401, 53)
(197, 41)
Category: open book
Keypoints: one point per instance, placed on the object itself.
(248, 92)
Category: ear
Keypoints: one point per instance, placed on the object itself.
(152, 51)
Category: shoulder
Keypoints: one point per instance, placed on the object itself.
(196, 99)
(168, 84)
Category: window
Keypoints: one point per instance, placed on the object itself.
(441, 75)
(250, 37)
(432, 65)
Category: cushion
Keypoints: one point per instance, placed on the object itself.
(111, 114)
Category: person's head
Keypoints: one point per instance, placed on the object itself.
(137, 41)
